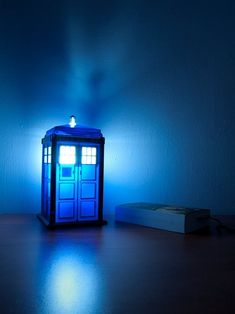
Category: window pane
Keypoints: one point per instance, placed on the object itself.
(88, 160)
(89, 155)
(83, 160)
(72, 150)
(67, 155)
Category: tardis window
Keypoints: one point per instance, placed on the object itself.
(47, 155)
(88, 155)
(67, 155)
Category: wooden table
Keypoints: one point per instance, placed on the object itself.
(118, 268)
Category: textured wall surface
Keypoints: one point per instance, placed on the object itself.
(156, 77)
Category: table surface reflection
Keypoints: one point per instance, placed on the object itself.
(118, 268)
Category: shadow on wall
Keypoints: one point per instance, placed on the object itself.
(96, 101)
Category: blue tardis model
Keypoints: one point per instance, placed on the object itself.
(72, 176)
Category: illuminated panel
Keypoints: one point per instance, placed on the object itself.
(45, 155)
(49, 154)
(67, 155)
(89, 155)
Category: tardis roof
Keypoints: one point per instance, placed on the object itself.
(78, 130)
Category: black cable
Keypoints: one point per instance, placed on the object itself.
(221, 225)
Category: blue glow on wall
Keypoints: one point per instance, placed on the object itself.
(157, 77)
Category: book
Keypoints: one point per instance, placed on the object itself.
(172, 218)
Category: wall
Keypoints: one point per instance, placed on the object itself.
(156, 77)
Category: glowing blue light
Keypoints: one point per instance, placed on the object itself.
(88, 155)
(72, 121)
(65, 282)
(67, 155)
(72, 285)
(49, 155)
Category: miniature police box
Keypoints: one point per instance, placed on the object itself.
(72, 176)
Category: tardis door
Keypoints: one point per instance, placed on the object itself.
(66, 184)
(88, 179)
(77, 187)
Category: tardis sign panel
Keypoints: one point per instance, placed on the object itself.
(72, 175)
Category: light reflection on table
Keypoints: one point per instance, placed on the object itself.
(71, 283)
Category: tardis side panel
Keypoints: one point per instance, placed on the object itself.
(101, 180)
(53, 181)
(46, 179)
(43, 204)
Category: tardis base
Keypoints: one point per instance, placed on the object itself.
(71, 224)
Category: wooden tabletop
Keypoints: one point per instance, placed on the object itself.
(118, 268)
